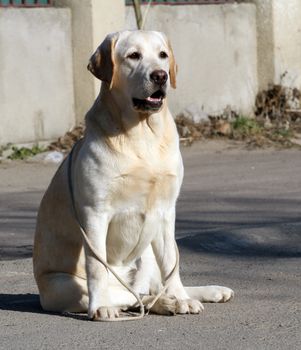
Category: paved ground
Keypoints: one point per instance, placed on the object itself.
(238, 224)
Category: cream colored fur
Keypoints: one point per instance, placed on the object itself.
(126, 175)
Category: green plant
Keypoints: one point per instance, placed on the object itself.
(24, 152)
(246, 126)
(285, 133)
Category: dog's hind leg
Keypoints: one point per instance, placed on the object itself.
(61, 292)
(210, 294)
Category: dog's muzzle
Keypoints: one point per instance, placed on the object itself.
(154, 102)
(151, 103)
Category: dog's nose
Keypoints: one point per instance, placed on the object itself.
(159, 77)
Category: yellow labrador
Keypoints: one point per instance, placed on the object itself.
(125, 177)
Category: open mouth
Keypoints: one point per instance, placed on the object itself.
(151, 103)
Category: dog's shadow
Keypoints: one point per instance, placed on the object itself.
(31, 303)
(21, 302)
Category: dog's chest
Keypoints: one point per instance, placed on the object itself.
(141, 197)
(146, 186)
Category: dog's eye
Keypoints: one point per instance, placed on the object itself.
(134, 56)
(163, 54)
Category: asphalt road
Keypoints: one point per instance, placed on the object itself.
(238, 225)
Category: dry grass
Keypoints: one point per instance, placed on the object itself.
(277, 122)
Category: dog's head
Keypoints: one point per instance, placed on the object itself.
(139, 65)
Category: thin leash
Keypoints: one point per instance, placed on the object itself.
(108, 267)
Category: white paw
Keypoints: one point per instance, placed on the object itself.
(165, 305)
(169, 305)
(104, 313)
(189, 306)
(217, 294)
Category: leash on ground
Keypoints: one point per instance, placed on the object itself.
(86, 240)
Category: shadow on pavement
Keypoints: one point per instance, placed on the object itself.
(206, 222)
(18, 213)
(21, 302)
(231, 243)
(31, 303)
(11, 252)
(248, 227)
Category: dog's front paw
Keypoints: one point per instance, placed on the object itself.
(189, 306)
(165, 305)
(169, 305)
(104, 313)
(217, 294)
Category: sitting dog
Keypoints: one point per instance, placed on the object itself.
(121, 187)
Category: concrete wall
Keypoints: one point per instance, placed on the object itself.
(215, 48)
(108, 17)
(265, 43)
(287, 41)
(36, 84)
(225, 53)
(92, 20)
(279, 42)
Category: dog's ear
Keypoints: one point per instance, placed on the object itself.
(102, 62)
(173, 67)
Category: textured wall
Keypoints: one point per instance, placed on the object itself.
(216, 50)
(265, 43)
(36, 81)
(92, 20)
(287, 39)
(279, 42)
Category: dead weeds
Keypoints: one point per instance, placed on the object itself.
(66, 142)
(277, 122)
